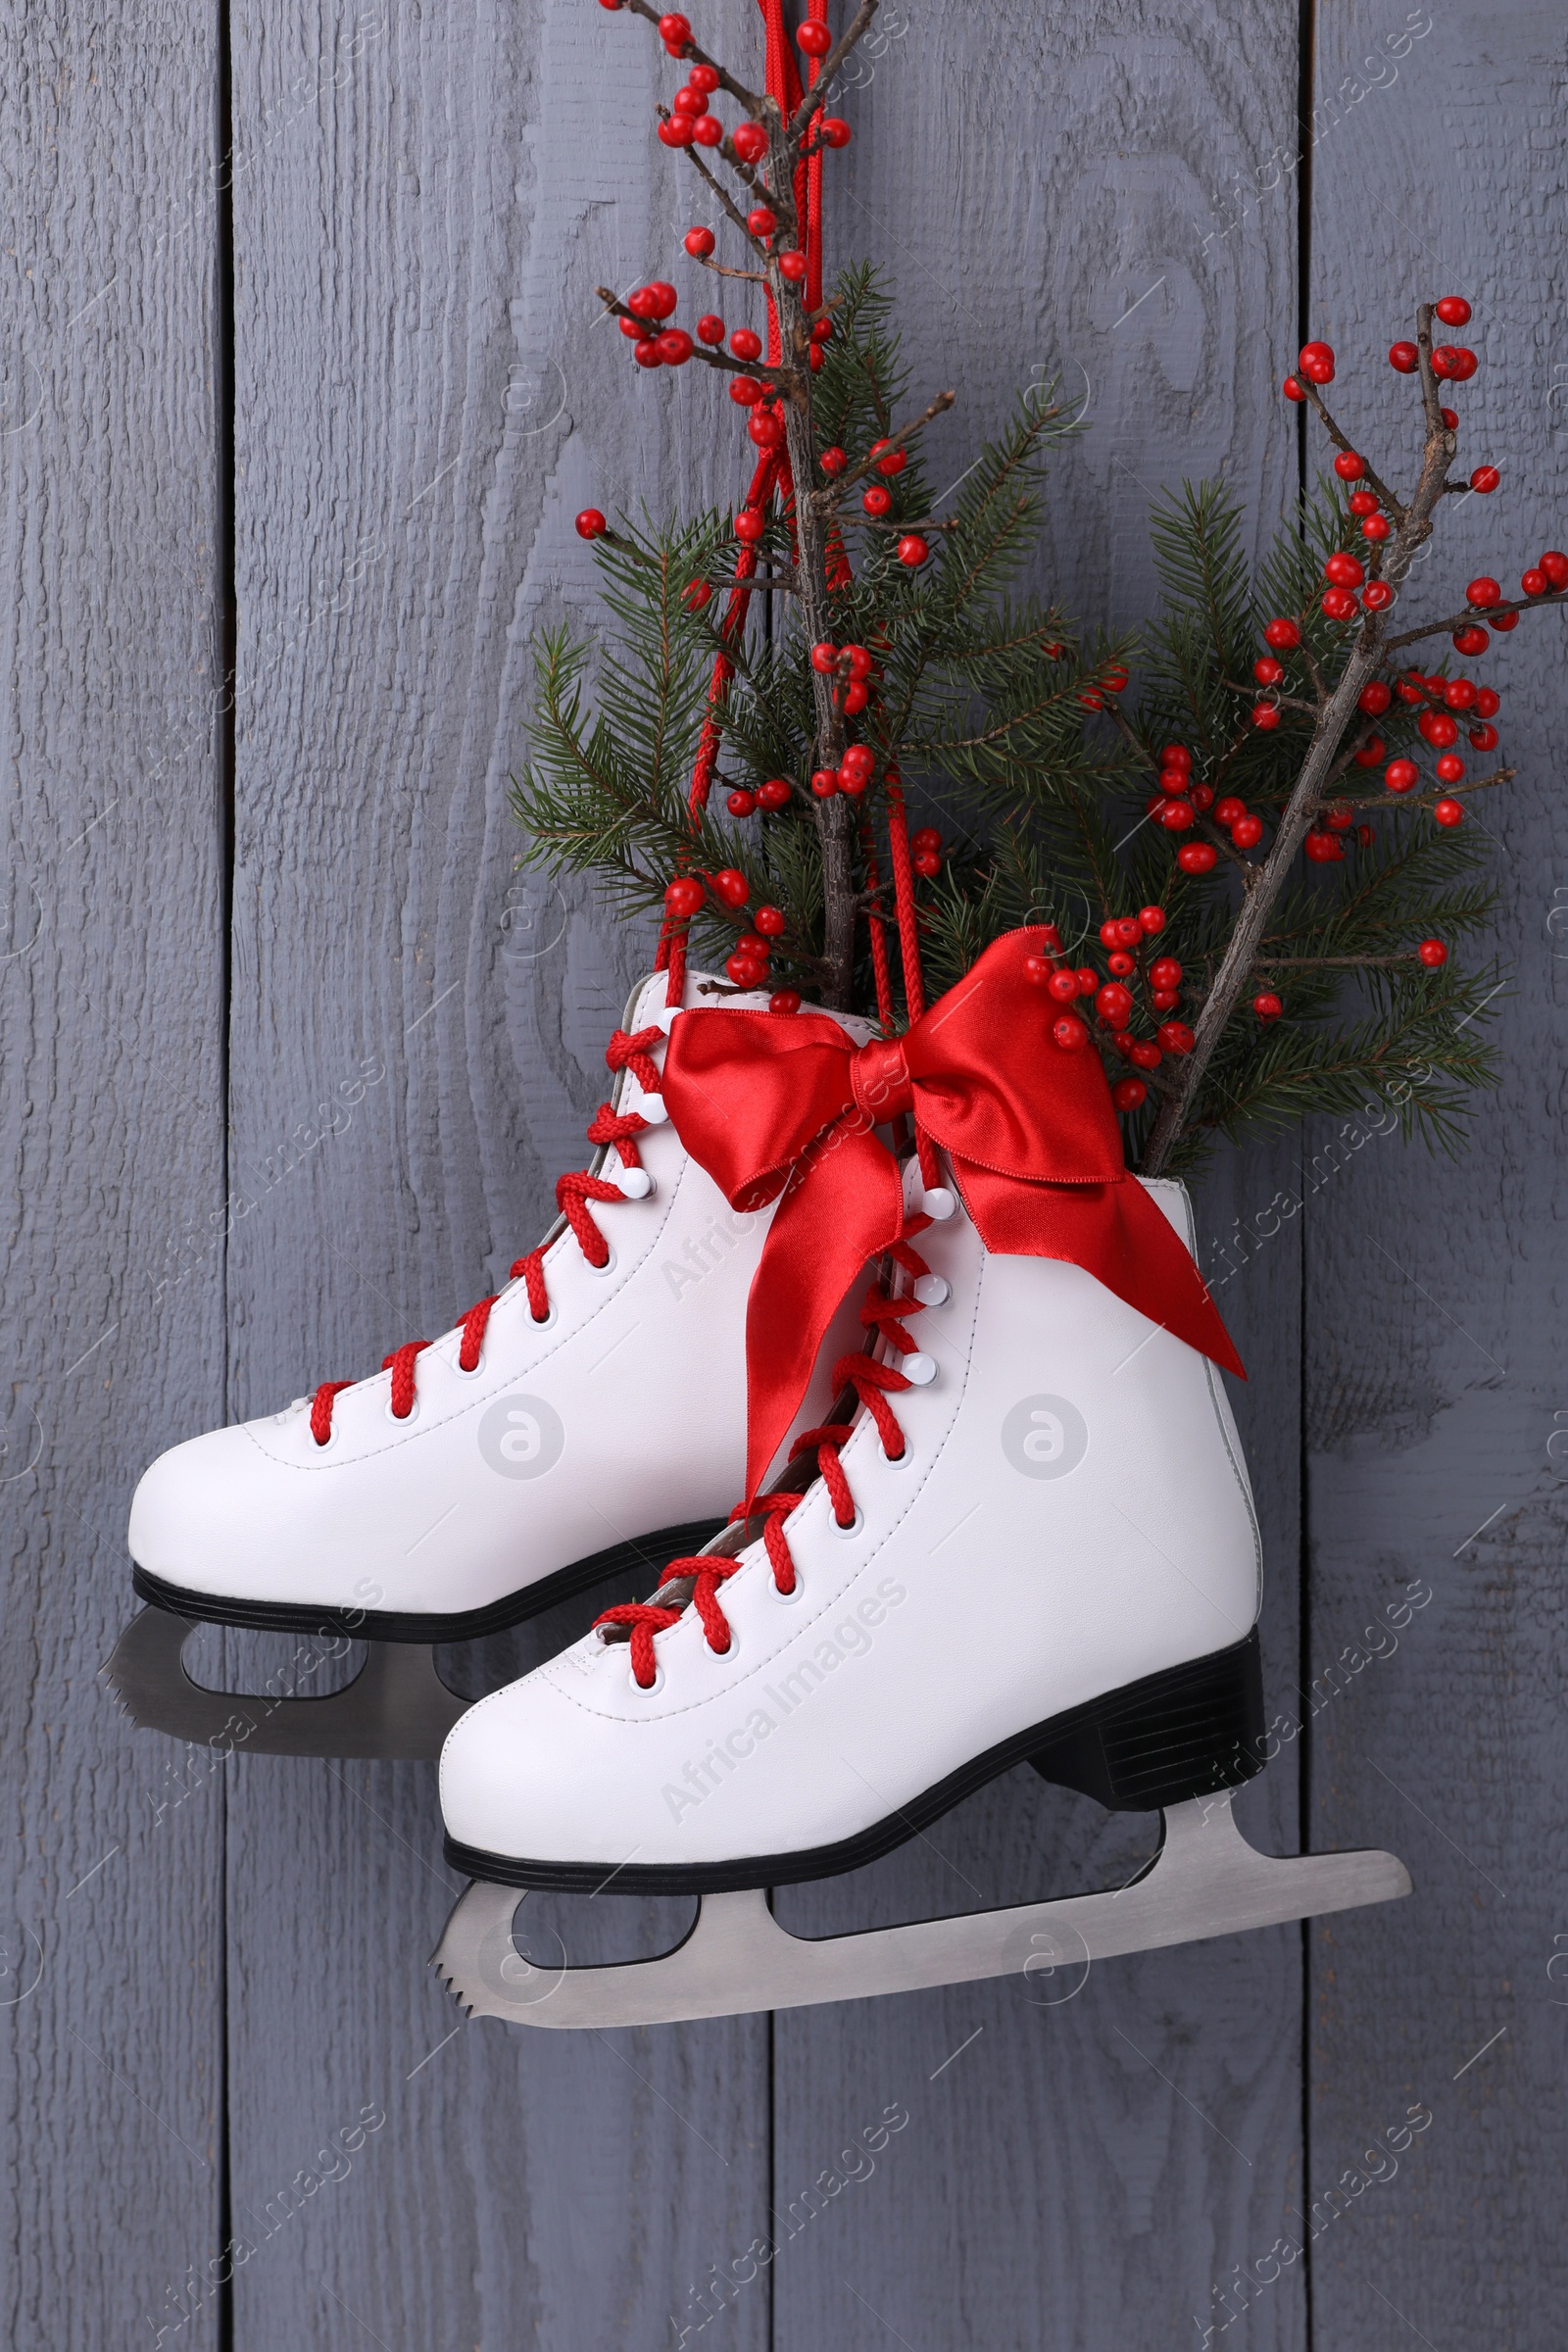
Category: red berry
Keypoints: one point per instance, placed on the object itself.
(750, 524)
(1340, 817)
(1483, 592)
(1040, 970)
(1348, 466)
(1458, 694)
(1197, 856)
(824, 657)
(1267, 1006)
(591, 524)
(730, 886)
(1453, 310)
(1129, 931)
(746, 390)
(690, 102)
(683, 899)
(761, 220)
(912, 549)
(1122, 965)
(834, 460)
(1164, 972)
(1449, 812)
(784, 1000)
(1150, 919)
(825, 783)
(1401, 775)
(1316, 362)
(632, 327)
(1556, 566)
(1374, 698)
(1110, 932)
(742, 803)
(1371, 752)
(1484, 738)
(1128, 1093)
(677, 131)
(1282, 635)
(753, 944)
(704, 78)
(765, 426)
(1175, 815)
(834, 131)
(697, 596)
(1485, 479)
(893, 460)
(1324, 849)
(1063, 986)
(1363, 502)
(710, 328)
(1489, 701)
(1087, 979)
(1377, 527)
(1291, 389)
(1450, 417)
(1345, 572)
(792, 266)
(1376, 595)
(1114, 1004)
(1247, 832)
(1433, 953)
(1465, 363)
(926, 838)
(1445, 361)
(1164, 999)
(1438, 728)
(876, 499)
(744, 970)
(1470, 641)
(860, 664)
(746, 344)
(1175, 1036)
(1176, 755)
(1069, 1033)
(674, 347)
(769, 921)
(1450, 768)
(750, 142)
(1340, 603)
(855, 696)
(673, 30)
(1227, 810)
(776, 793)
(817, 41)
(700, 243)
(1145, 1054)
(859, 760)
(1502, 621)
(1266, 714)
(1363, 834)
(1267, 671)
(646, 353)
(1533, 582)
(1405, 357)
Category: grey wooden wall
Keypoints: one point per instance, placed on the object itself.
(354, 384)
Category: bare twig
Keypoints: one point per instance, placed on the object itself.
(699, 56)
(1474, 614)
(1374, 482)
(836, 492)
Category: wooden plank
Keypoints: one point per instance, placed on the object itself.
(1434, 1371)
(421, 211)
(1082, 2169)
(110, 1157)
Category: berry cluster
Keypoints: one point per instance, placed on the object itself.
(1129, 959)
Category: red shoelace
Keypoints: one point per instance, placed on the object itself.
(573, 1192)
(873, 1384)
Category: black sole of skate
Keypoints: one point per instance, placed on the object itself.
(397, 1705)
(1191, 1730)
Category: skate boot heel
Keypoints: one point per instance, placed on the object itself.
(1188, 1732)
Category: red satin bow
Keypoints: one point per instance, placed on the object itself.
(771, 1104)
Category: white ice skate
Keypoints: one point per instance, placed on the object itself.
(588, 1419)
(1030, 1538)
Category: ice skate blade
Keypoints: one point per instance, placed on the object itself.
(397, 1705)
(1205, 1881)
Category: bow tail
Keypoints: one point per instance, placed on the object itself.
(1115, 1232)
(824, 1231)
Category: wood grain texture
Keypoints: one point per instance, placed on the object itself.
(1087, 2168)
(1435, 1373)
(423, 406)
(110, 1154)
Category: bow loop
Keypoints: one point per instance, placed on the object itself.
(787, 1105)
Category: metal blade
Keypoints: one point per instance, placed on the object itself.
(1205, 1881)
(397, 1705)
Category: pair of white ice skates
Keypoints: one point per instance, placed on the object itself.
(1021, 1530)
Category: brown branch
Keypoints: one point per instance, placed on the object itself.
(1337, 714)
(1374, 481)
(1476, 612)
(721, 360)
(699, 56)
(836, 492)
(816, 96)
(1427, 799)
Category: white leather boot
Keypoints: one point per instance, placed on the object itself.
(589, 1418)
(1036, 1541)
